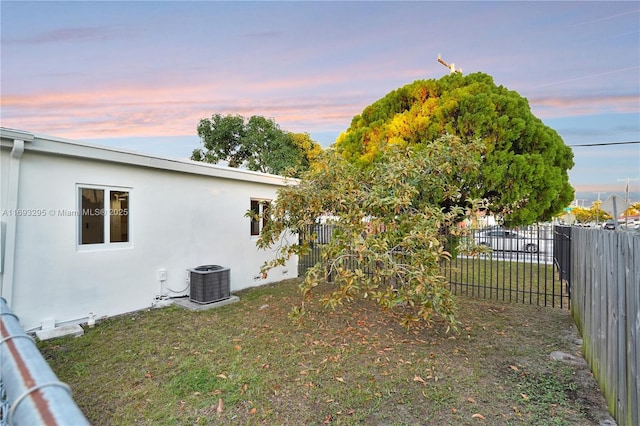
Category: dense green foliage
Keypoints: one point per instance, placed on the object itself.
(523, 176)
(257, 144)
(387, 242)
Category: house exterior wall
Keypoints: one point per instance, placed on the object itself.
(4, 186)
(181, 215)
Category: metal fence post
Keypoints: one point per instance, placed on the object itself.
(31, 392)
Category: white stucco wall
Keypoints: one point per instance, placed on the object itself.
(179, 219)
(4, 184)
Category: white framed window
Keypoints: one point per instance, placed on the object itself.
(103, 216)
(259, 207)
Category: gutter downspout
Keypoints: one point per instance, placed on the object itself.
(11, 228)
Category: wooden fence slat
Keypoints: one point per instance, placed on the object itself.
(632, 300)
(626, 253)
(605, 303)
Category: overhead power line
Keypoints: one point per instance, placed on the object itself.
(607, 143)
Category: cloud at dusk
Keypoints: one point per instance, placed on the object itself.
(64, 35)
(585, 105)
(135, 71)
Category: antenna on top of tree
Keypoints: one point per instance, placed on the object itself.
(452, 67)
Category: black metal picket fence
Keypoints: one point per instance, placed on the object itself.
(527, 265)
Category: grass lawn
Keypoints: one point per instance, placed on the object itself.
(247, 363)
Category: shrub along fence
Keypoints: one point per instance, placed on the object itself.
(605, 303)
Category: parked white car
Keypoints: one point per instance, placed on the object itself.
(506, 240)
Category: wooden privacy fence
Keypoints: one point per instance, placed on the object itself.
(605, 303)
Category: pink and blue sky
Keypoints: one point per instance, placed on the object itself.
(139, 75)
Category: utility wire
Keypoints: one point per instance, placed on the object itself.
(607, 143)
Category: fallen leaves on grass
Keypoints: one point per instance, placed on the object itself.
(287, 380)
(417, 378)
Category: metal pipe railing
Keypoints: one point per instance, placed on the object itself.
(32, 393)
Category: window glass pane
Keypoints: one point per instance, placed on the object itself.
(255, 224)
(265, 212)
(92, 224)
(119, 217)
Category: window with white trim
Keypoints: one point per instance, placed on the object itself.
(103, 215)
(260, 209)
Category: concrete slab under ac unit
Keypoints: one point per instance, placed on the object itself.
(192, 306)
(65, 330)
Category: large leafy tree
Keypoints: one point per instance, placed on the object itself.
(523, 175)
(593, 214)
(387, 242)
(257, 144)
(309, 149)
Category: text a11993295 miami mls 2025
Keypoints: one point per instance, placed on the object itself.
(42, 212)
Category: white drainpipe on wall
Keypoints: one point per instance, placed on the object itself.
(19, 139)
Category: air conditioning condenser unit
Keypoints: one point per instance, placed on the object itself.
(209, 283)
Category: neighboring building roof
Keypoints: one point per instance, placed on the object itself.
(70, 148)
